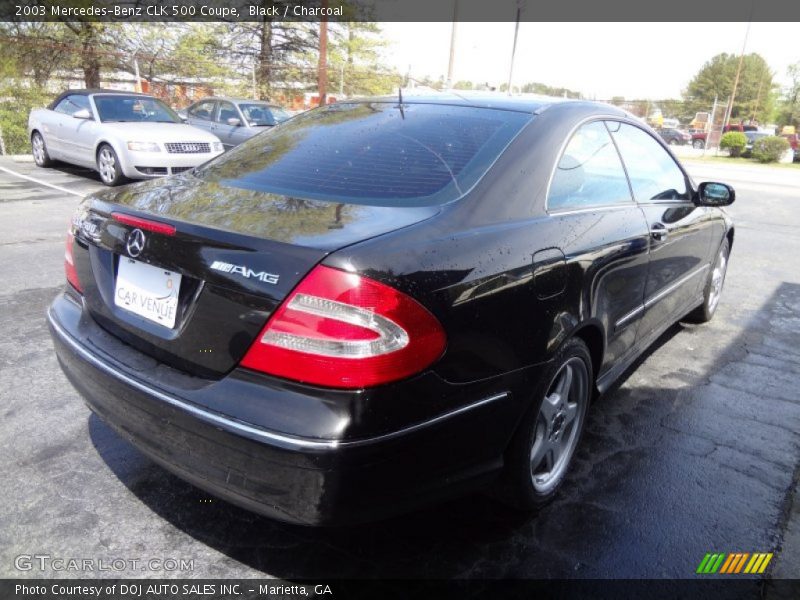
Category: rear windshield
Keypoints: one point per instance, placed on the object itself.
(372, 153)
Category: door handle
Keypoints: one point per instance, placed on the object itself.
(659, 232)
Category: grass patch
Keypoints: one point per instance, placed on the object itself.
(738, 160)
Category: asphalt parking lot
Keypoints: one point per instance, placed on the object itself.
(697, 450)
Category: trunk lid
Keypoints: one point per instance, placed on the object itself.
(238, 253)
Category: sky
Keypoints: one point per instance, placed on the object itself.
(601, 60)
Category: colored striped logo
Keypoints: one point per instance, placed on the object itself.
(734, 562)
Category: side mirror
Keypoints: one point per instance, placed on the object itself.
(234, 122)
(83, 114)
(711, 193)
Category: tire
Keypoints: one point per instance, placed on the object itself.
(713, 290)
(108, 166)
(698, 144)
(40, 155)
(543, 447)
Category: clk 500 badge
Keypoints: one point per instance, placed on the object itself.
(218, 265)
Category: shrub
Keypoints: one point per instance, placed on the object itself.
(770, 149)
(15, 105)
(734, 141)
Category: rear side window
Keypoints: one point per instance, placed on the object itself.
(589, 173)
(372, 153)
(653, 173)
(72, 104)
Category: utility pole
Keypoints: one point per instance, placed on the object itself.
(322, 66)
(758, 97)
(738, 72)
(449, 82)
(514, 46)
(710, 130)
(138, 86)
(255, 87)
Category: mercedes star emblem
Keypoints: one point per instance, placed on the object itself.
(135, 243)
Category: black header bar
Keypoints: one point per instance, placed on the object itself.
(711, 11)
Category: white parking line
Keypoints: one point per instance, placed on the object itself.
(40, 182)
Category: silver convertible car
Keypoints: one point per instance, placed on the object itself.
(122, 135)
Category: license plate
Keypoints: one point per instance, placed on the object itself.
(148, 291)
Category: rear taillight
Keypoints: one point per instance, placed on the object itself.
(342, 330)
(69, 263)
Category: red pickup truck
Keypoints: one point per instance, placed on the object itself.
(794, 142)
(699, 136)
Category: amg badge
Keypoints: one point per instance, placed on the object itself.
(218, 265)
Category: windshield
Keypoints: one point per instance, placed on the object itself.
(372, 153)
(124, 109)
(263, 114)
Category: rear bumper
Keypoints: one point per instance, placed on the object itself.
(300, 479)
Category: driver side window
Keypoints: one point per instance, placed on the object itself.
(652, 171)
(226, 111)
(202, 110)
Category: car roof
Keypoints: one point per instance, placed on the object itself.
(522, 103)
(92, 92)
(528, 103)
(236, 100)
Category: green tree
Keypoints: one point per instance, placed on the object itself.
(355, 60)
(535, 87)
(755, 93)
(37, 49)
(789, 108)
(44, 48)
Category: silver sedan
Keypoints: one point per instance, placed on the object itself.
(233, 120)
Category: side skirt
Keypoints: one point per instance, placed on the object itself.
(607, 379)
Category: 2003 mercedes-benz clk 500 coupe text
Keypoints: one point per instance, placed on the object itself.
(382, 303)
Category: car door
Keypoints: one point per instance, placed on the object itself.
(680, 232)
(245, 131)
(78, 135)
(201, 114)
(54, 127)
(226, 132)
(604, 231)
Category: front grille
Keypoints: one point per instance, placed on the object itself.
(180, 169)
(188, 147)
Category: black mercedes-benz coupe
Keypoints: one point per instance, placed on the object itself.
(385, 302)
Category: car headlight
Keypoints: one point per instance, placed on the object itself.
(144, 147)
(216, 147)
